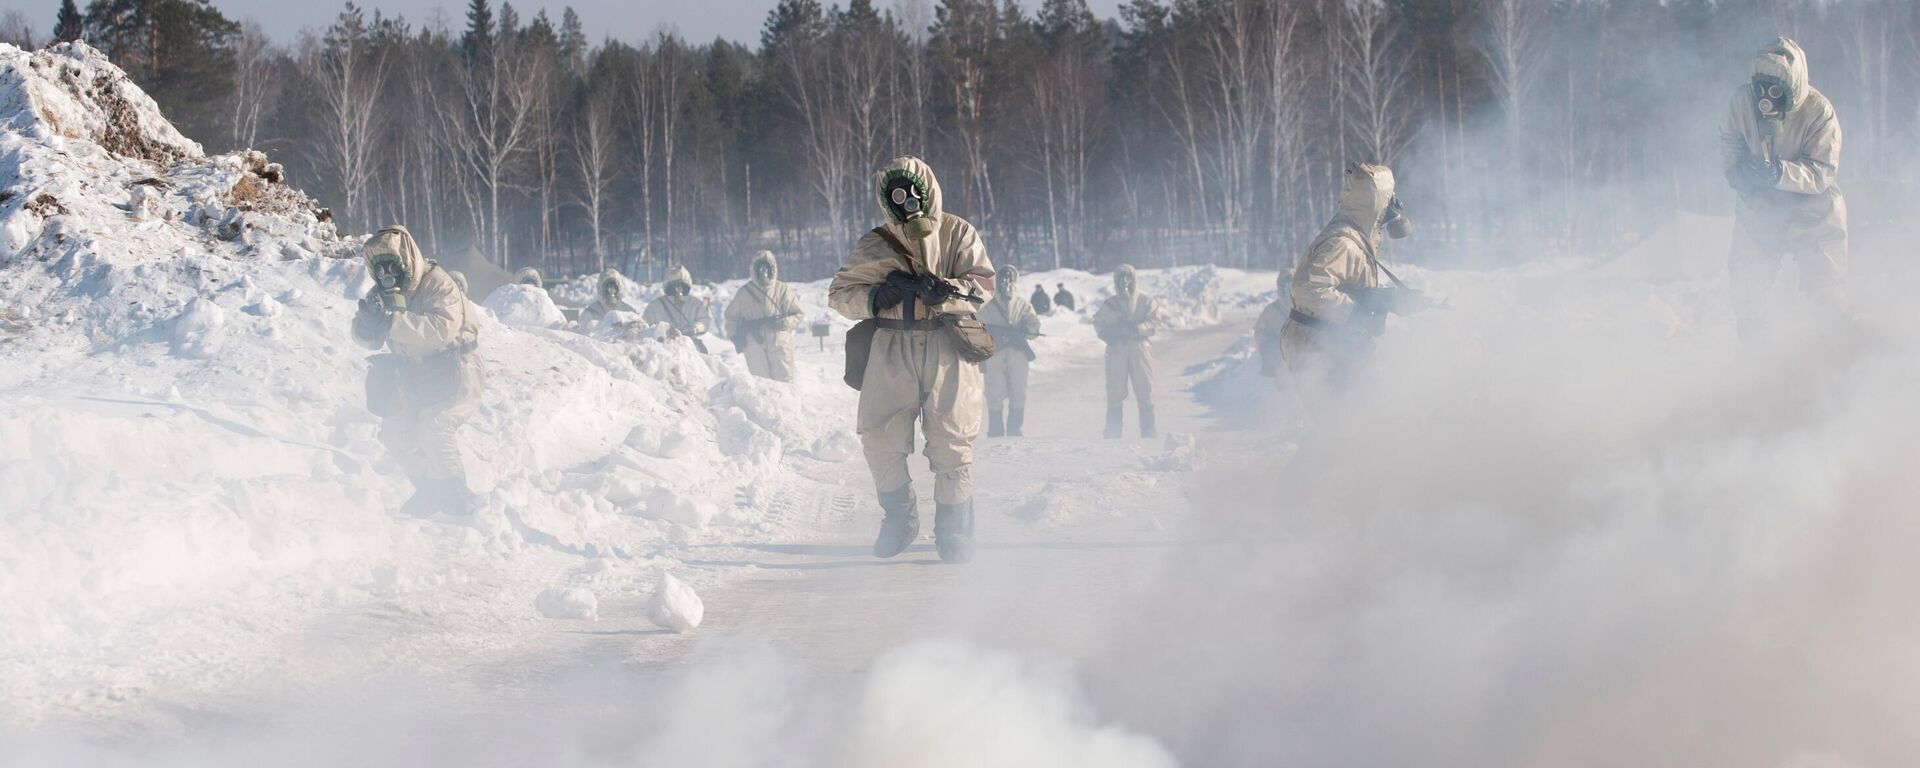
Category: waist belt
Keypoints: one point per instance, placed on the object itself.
(892, 324)
(1307, 320)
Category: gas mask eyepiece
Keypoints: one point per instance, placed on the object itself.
(1771, 96)
(904, 199)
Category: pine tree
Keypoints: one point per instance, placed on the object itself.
(69, 25)
(573, 42)
(478, 41)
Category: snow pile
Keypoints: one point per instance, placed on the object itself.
(524, 306)
(186, 463)
(675, 606)
(568, 603)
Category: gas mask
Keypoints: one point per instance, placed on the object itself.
(610, 292)
(1394, 220)
(1123, 283)
(390, 273)
(763, 271)
(676, 289)
(1009, 282)
(1771, 97)
(909, 203)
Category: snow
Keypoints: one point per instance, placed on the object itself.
(524, 306)
(675, 606)
(576, 603)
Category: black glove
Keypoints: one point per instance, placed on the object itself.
(889, 294)
(373, 322)
(1753, 174)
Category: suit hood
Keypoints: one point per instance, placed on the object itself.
(1783, 59)
(396, 242)
(602, 291)
(922, 175)
(678, 275)
(763, 257)
(1364, 195)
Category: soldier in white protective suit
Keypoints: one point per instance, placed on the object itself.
(761, 319)
(608, 297)
(912, 275)
(1126, 321)
(428, 382)
(1780, 148)
(1013, 324)
(679, 308)
(1341, 294)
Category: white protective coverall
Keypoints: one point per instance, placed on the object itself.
(606, 299)
(1802, 215)
(417, 430)
(685, 313)
(1127, 321)
(1322, 351)
(1012, 322)
(767, 304)
(918, 374)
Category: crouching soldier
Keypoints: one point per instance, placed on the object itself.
(910, 279)
(677, 307)
(428, 382)
(761, 319)
(1341, 293)
(1012, 323)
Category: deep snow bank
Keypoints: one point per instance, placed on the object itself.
(186, 465)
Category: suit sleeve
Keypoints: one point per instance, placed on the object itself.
(850, 292)
(972, 274)
(1818, 163)
(1317, 291)
(789, 310)
(433, 318)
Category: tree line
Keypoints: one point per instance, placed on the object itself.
(1183, 131)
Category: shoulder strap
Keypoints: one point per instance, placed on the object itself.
(1366, 249)
(899, 248)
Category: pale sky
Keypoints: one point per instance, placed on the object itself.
(697, 20)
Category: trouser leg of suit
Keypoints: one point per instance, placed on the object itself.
(778, 360)
(997, 371)
(1140, 373)
(426, 441)
(757, 363)
(1016, 384)
(918, 376)
(1118, 369)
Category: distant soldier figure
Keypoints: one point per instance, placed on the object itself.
(1042, 303)
(1341, 294)
(607, 299)
(1012, 323)
(761, 319)
(1064, 299)
(678, 308)
(1127, 322)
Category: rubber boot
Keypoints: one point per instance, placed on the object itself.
(1015, 418)
(953, 531)
(901, 526)
(995, 425)
(1146, 422)
(1113, 422)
